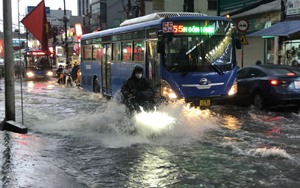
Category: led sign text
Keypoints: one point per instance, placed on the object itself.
(193, 29)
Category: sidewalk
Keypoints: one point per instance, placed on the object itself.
(23, 164)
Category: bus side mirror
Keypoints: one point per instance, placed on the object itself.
(238, 44)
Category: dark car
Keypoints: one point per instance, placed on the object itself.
(268, 85)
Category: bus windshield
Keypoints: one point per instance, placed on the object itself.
(37, 60)
(207, 49)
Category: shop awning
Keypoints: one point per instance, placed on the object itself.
(285, 28)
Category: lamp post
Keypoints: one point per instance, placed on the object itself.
(66, 34)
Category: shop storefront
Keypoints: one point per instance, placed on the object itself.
(287, 35)
(258, 15)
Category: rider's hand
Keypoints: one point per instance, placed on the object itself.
(131, 99)
(156, 100)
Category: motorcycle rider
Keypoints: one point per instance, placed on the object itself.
(137, 90)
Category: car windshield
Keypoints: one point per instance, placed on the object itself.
(201, 52)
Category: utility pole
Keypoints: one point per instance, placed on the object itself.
(128, 12)
(10, 113)
(142, 7)
(218, 8)
(188, 6)
(66, 33)
(54, 39)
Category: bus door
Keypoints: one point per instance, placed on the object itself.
(153, 62)
(105, 70)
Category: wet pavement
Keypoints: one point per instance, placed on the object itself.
(77, 139)
(24, 158)
(24, 165)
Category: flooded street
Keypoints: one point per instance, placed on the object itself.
(94, 142)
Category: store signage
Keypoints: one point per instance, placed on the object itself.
(292, 8)
(230, 5)
(30, 8)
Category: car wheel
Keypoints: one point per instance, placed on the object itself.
(96, 87)
(258, 102)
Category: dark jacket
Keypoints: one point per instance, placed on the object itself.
(138, 89)
(74, 72)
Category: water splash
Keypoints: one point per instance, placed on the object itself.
(90, 115)
(269, 152)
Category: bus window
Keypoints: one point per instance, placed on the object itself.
(87, 52)
(116, 51)
(139, 50)
(97, 52)
(126, 51)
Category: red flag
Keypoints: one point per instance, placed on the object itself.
(36, 23)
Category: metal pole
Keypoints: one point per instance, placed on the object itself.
(218, 8)
(10, 113)
(20, 63)
(66, 34)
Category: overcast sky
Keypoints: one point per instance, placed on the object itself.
(53, 4)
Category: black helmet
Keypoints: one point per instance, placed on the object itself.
(138, 68)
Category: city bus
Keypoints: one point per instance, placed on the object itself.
(37, 65)
(188, 56)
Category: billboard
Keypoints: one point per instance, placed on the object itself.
(29, 8)
(231, 5)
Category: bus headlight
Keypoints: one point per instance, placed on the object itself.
(49, 73)
(30, 74)
(233, 89)
(167, 91)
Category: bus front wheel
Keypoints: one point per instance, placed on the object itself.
(96, 87)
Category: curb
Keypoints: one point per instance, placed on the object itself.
(14, 127)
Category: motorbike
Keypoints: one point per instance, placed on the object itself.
(142, 101)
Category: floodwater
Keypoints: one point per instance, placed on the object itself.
(96, 144)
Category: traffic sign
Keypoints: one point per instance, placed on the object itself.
(244, 40)
(242, 25)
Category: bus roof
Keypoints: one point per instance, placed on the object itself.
(150, 21)
(158, 15)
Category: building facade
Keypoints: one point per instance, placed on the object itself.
(103, 14)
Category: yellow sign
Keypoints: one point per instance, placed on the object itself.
(243, 40)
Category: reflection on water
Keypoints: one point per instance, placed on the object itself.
(231, 122)
(6, 163)
(153, 169)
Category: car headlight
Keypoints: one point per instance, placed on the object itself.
(49, 73)
(233, 90)
(167, 91)
(30, 74)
